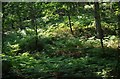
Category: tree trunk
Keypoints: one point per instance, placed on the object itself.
(33, 12)
(36, 37)
(69, 18)
(98, 23)
(118, 54)
(70, 24)
(119, 27)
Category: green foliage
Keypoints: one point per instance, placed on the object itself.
(29, 44)
(37, 41)
(58, 66)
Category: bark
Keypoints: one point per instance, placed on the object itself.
(98, 23)
(119, 31)
(70, 24)
(119, 26)
(69, 18)
(33, 13)
(118, 54)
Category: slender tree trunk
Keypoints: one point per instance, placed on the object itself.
(98, 23)
(36, 33)
(33, 12)
(69, 18)
(118, 54)
(36, 37)
(119, 26)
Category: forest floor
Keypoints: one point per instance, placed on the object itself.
(60, 55)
